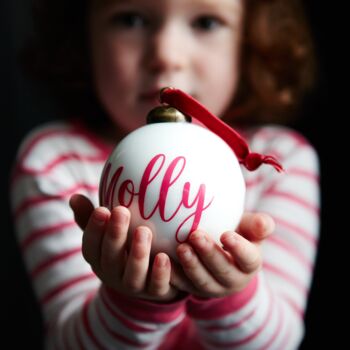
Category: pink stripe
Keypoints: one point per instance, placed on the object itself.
(52, 324)
(146, 310)
(53, 133)
(183, 336)
(64, 286)
(249, 337)
(87, 325)
(233, 325)
(28, 202)
(250, 184)
(61, 159)
(44, 232)
(131, 325)
(297, 200)
(296, 229)
(41, 136)
(116, 335)
(300, 142)
(255, 181)
(286, 276)
(285, 343)
(54, 260)
(303, 173)
(280, 322)
(77, 130)
(273, 134)
(298, 310)
(220, 307)
(291, 250)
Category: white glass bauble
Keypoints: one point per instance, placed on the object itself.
(175, 178)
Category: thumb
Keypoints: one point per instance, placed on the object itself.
(82, 208)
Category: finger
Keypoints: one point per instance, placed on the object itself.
(159, 285)
(256, 226)
(195, 271)
(214, 258)
(114, 241)
(245, 254)
(93, 235)
(82, 209)
(135, 273)
(179, 280)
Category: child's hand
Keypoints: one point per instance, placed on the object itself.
(105, 249)
(217, 271)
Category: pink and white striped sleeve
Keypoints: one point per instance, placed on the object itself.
(268, 314)
(79, 313)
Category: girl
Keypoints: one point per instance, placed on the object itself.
(249, 62)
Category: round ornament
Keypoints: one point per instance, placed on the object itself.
(176, 177)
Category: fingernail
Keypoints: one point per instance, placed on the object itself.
(161, 260)
(231, 238)
(99, 217)
(202, 241)
(260, 223)
(121, 215)
(186, 254)
(142, 235)
(199, 239)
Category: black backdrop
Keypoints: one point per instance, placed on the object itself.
(23, 105)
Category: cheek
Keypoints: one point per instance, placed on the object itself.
(116, 77)
(222, 74)
(110, 70)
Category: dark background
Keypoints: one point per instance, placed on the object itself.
(24, 105)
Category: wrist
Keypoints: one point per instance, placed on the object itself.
(143, 309)
(200, 307)
(177, 297)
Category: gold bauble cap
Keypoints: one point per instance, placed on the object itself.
(166, 114)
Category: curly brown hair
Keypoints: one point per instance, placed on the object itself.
(278, 61)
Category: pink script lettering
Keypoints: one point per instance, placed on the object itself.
(127, 191)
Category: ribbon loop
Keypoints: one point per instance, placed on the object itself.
(191, 107)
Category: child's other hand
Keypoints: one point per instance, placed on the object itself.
(105, 249)
(217, 271)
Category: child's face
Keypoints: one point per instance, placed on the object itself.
(141, 46)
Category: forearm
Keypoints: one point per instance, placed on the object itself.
(77, 312)
(292, 200)
(106, 320)
(256, 318)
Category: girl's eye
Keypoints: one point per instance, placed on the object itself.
(207, 23)
(128, 20)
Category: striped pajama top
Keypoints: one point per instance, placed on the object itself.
(59, 159)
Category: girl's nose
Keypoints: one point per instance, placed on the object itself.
(167, 50)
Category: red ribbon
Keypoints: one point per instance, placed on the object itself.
(191, 107)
